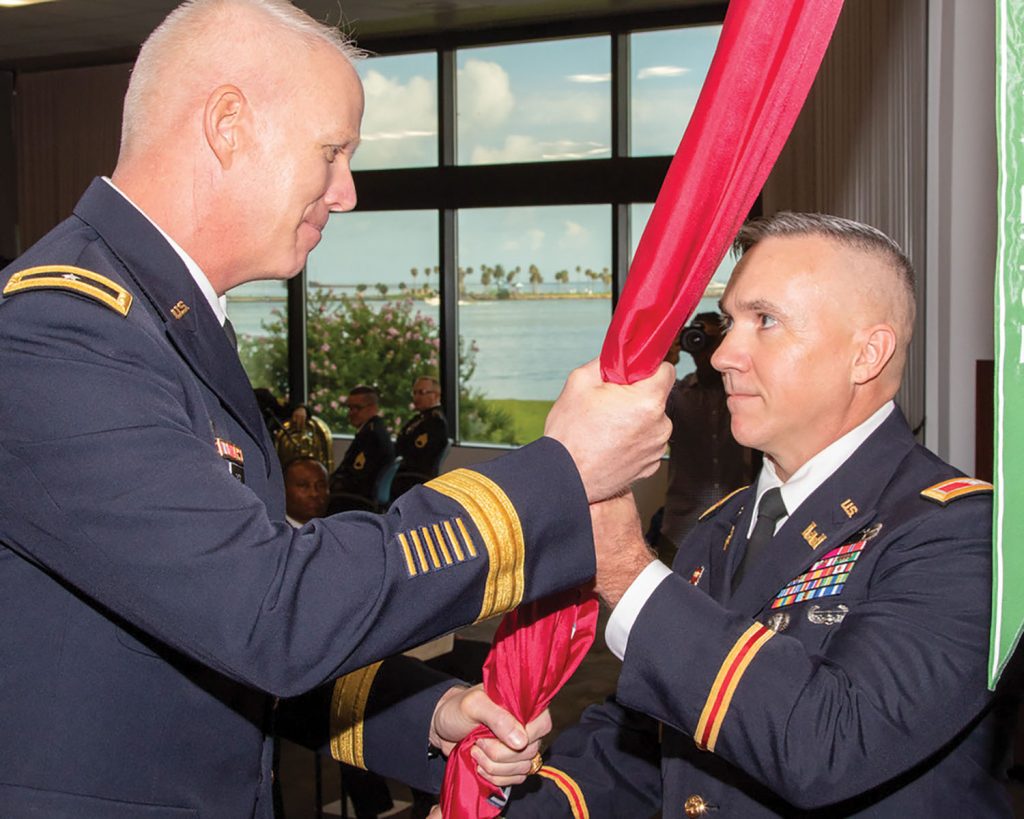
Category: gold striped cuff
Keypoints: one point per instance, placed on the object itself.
(567, 785)
(728, 678)
(348, 704)
(501, 531)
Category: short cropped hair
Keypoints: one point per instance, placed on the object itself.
(173, 37)
(846, 232)
(364, 389)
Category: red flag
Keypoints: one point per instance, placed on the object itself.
(536, 650)
(767, 56)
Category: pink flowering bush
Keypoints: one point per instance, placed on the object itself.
(351, 341)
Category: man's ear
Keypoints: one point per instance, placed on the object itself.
(875, 350)
(225, 117)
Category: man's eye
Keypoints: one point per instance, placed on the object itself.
(331, 152)
(725, 325)
(766, 320)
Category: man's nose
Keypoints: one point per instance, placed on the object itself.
(341, 192)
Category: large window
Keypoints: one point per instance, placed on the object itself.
(503, 186)
(534, 102)
(372, 311)
(536, 306)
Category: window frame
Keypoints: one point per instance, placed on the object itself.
(618, 181)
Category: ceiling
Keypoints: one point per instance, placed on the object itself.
(78, 32)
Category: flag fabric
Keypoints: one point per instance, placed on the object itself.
(536, 649)
(1008, 528)
(767, 56)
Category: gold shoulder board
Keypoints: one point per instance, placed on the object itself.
(714, 506)
(945, 492)
(78, 279)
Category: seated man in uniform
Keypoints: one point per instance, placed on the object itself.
(354, 481)
(423, 439)
(819, 647)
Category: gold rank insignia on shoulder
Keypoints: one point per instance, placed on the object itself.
(77, 279)
(421, 441)
(945, 492)
(714, 506)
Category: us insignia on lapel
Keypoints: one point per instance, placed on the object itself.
(825, 578)
(180, 309)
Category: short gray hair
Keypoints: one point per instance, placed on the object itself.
(846, 232)
(173, 36)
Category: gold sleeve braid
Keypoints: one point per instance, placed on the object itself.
(501, 531)
(348, 705)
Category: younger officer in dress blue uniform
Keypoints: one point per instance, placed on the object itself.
(827, 659)
(155, 602)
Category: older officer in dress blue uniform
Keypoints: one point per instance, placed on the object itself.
(839, 668)
(154, 600)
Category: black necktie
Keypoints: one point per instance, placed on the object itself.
(229, 331)
(769, 510)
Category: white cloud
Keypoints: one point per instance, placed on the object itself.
(485, 94)
(400, 121)
(523, 148)
(662, 71)
(589, 78)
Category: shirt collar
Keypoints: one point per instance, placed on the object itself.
(217, 303)
(819, 468)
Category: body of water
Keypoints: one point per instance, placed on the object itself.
(526, 347)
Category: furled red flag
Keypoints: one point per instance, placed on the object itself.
(767, 56)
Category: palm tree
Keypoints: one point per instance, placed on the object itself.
(382, 289)
(535, 277)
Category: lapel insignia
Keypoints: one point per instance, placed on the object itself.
(778, 621)
(360, 461)
(232, 453)
(728, 538)
(421, 441)
(66, 277)
(849, 507)
(825, 578)
(945, 492)
(827, 617)
(813, 537)
(180, 309)
(698, 573)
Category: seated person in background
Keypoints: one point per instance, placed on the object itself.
(370, 451)
(304, 436)
(305, 490)
(273, 411)
(705, 462)
(424, 438)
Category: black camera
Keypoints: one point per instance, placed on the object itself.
(693, 339)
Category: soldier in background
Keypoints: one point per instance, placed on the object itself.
(423, 440)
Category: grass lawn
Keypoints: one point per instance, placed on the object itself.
(528, 416)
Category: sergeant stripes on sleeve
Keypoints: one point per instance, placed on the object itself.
(567, 785)
(500, 529)
(348, 706)
(726, 681)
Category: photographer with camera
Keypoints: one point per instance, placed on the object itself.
(705, 462)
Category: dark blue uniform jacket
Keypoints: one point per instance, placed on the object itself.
(844, 677)
(153, 605)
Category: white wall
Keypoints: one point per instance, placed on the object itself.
(961, 208)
